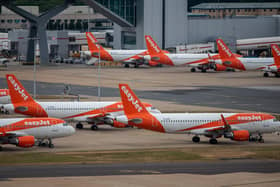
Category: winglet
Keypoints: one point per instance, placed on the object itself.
(131, 103)
(152, 46)
(226, 125)
(276, 54)
(223, 49)
(17, 91)
(92, 42)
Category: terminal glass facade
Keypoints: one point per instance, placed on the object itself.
(123, 8)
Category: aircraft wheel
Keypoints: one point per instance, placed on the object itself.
(136, 66)
(94, 127)
(277, 75)
(261, 140)
(266, 74)
(203, 70)
(50, 143)
(126, 65)
(51, 146)
(193, 70)
(196, 139)
(213, 141)
(79, 126)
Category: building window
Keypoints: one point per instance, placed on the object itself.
(238, 10)
(264, 10)
(23, 21)
(270, 10)
(17, 20)
(2, 21)
(72, 39)
(10, 21)
(130, 39)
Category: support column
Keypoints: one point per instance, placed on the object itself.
(31, 43)
(37, 29)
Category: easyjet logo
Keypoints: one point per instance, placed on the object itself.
(91, 38)
(37, 123)
(249, 118)
(224, 48)
(18, 88)
(276, 50)
(131, 99)
(154, 46)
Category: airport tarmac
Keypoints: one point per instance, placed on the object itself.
(109, 138)
(216, 91)
(170, 90)
(226, 174)
(164, 180)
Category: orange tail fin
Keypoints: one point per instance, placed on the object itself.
(131, 103)
(224, 51)
(276, 54)
(17, 92)
(92, 42)
(152, 46)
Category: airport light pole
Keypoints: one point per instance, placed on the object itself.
(98, 74)
(34, 68)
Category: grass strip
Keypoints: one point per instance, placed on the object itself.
(143, 156)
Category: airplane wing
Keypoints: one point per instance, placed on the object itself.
(137, 59)
(12, 134)
(224, 128)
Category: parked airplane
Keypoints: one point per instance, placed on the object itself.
(275, 68)
(202, 62)
(134, 57)
(4, 96)
(230, 60)
(22, 132)
(95, 113)
(4, 99)
(236, 126)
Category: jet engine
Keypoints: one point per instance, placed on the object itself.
(119, 125)
(219, 67)
(239, 135)
(23, 141)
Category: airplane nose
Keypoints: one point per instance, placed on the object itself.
(218, 62)
(147, 57)
(9, 108)
(71, 130)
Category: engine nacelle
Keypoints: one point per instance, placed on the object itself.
(23, 141)
(153, 64)
(119, 125)
(109, 121)
(219, 67)
(239, 135)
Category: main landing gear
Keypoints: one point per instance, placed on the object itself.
(193, 70)
(79, 126)
(213, 141)
(42, 143)
(94, 127)
(196, 139)
(258, 138)
(266, 74)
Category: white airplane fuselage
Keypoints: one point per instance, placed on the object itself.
(200, 123)
(39, 132)
(76, 111)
